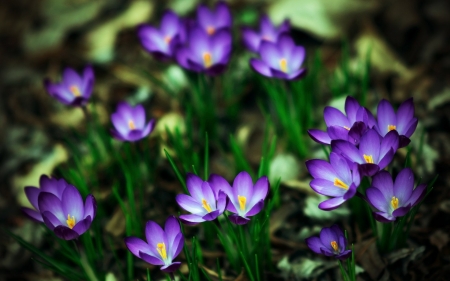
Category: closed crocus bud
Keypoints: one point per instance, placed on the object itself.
(213, 21)
(267, 32)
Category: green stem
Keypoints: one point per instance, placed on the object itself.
(85, 263)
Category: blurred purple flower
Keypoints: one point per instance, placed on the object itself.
(62, 208)
(74, 90)
(335, 179)
(349, 126)
(162, 246)
(129, 123)
(282, 59)
(267, 32)
(205, 203)
(204, 53)
(46, 184)
(331, 243)
(214, 21)
(245, 199)
(403, 121)
(374, 152)
(394, 199)
(163, 41)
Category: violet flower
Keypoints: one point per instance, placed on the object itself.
(245, 199)
(394, 199)
(349, 126)
(162, 246)
(63, 210)
(74, 90)
(335, 179)
(204, 53)
(216, 20)
(163, 41)
(331, 243)
(46, 184)
(374, 152)
(403, 121)
(267, 32)
(129, 123)
(282, 59)
(205, 203)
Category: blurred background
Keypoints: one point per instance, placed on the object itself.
(405, 41)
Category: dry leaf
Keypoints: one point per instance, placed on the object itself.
(439, 239)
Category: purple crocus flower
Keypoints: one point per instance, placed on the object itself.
(214, 21)
(349, 126)
(331, 243)
(403, 121)
(163, 41)
(394, 199)
(46, 184)
(74, 89)
(62, 208)
(162, 246)
(282, 59)
(204, 53)
(245, 199)
(129, 123)
(205, 203)
(374, 152)
(268, 32)
(335, 179)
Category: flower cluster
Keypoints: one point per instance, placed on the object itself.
(362, 145)
(60, 206)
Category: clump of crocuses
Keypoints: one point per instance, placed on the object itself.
(73, 89)
(60, 206)
(129, 123)
(331, 242)
(162, 246)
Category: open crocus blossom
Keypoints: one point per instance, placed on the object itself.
(163, 41)
(216, 20)
(245, 199)
(267, 32)
(331, 242)
(349, 126)
(162, 246)
(62, 208)
(205, 203)
(335, 179)
(374, 152)
(403, 121)
(204, 53)
(282, 59)
(394, 199)
(46, 184)
(129, 123)
(73, 89)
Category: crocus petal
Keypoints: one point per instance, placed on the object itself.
(383, 181)
(255, 209)
(377, 199)
(341, 167)
(386, 116)
(232, 208)
(154, 234)
(403, 141)
(88, 81)
(49, 202)
(334, 117)
(404, 184)
(177, 245)
(400, 212)
(297, 57)
(171, 267)
(370, 145)
(351, 108)
(326, 187)
(65, 233)
(270, 54)
(194, 185)
(314, 244)
(326, 236)
(321, 169)
(219, 183)
(211, 216)
(208, 195)
(136, 245)
(386, 159)
(251, 39)
(344, 255)
(172, 229)
(150, 259)
(32, 214)
(261, 67)
(82, 225)
(296, 74)
(350, 192)
(260, 190)
(390, 141)
(331, 204)
(417, 195)
(72, 203)
(319, 136)
(189, 204)
(243, 185)
(236, 219)
(383, 217)
(90, 207)
(71, 78)
(191, 219)
(54, 186)
(50, 220)
(223, 15)
(327, 252)
(170, 23)
(411, 127)
(32, 194)
(347, 150)
(369, 169)
(221, 45)
(337, 133)
(355, 132)
(221, 202)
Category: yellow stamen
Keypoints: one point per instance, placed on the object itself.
(206, 205)
(347, 128)
(207, 59)
(394, 202)
(167, 39)
(70, 221)
(161, 248)
(283, 65)
(131, 125)
(392, 127)
(75, 91)
(242, 200)
(339, 183)
(368, 158)
(210, 30)
(334, 245)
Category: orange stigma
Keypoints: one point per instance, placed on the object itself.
(75, 91)
(368, 158)
(339, 183)
(210, 30)
(391, 128)
(335, 246)
(206, 205)
(394, 202)
(207, 59)
(283, 65)
(70, 221)
(131, 125)
(242, 200)
(167, 39)
(347, 128)
(161, 248)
